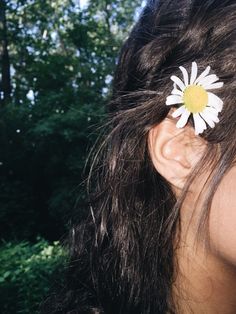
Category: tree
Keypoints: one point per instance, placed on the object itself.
(62, 62)
(5, 84)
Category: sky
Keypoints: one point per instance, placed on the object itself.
(83, 3)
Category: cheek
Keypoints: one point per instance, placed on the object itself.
(223, 218)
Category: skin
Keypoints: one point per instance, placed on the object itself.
(207, 276)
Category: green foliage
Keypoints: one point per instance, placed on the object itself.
(27, 272)
(62, 61)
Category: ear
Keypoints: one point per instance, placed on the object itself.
(174, 152)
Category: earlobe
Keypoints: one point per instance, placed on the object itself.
(172, 152)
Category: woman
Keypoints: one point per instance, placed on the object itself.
(161, 234)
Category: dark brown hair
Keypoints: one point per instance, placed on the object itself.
(122, 256)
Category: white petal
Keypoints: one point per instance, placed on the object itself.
(178, 82)
(211, 110)
(212, 114)
(215, 101)
(204, 74)
(207, 118)
(214, 86)
(208, 80)
(173, 99)
(183, 119)
(178, 111)
(199, 124)
(193, 73)
(177, 92)
(185, 75)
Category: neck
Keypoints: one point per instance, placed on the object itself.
(205, 283)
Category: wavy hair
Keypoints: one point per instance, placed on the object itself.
(122, 256)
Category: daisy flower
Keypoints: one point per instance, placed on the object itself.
(194, 94)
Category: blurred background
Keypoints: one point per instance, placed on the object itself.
(57, 60)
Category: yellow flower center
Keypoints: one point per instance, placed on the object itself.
(195, 98)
